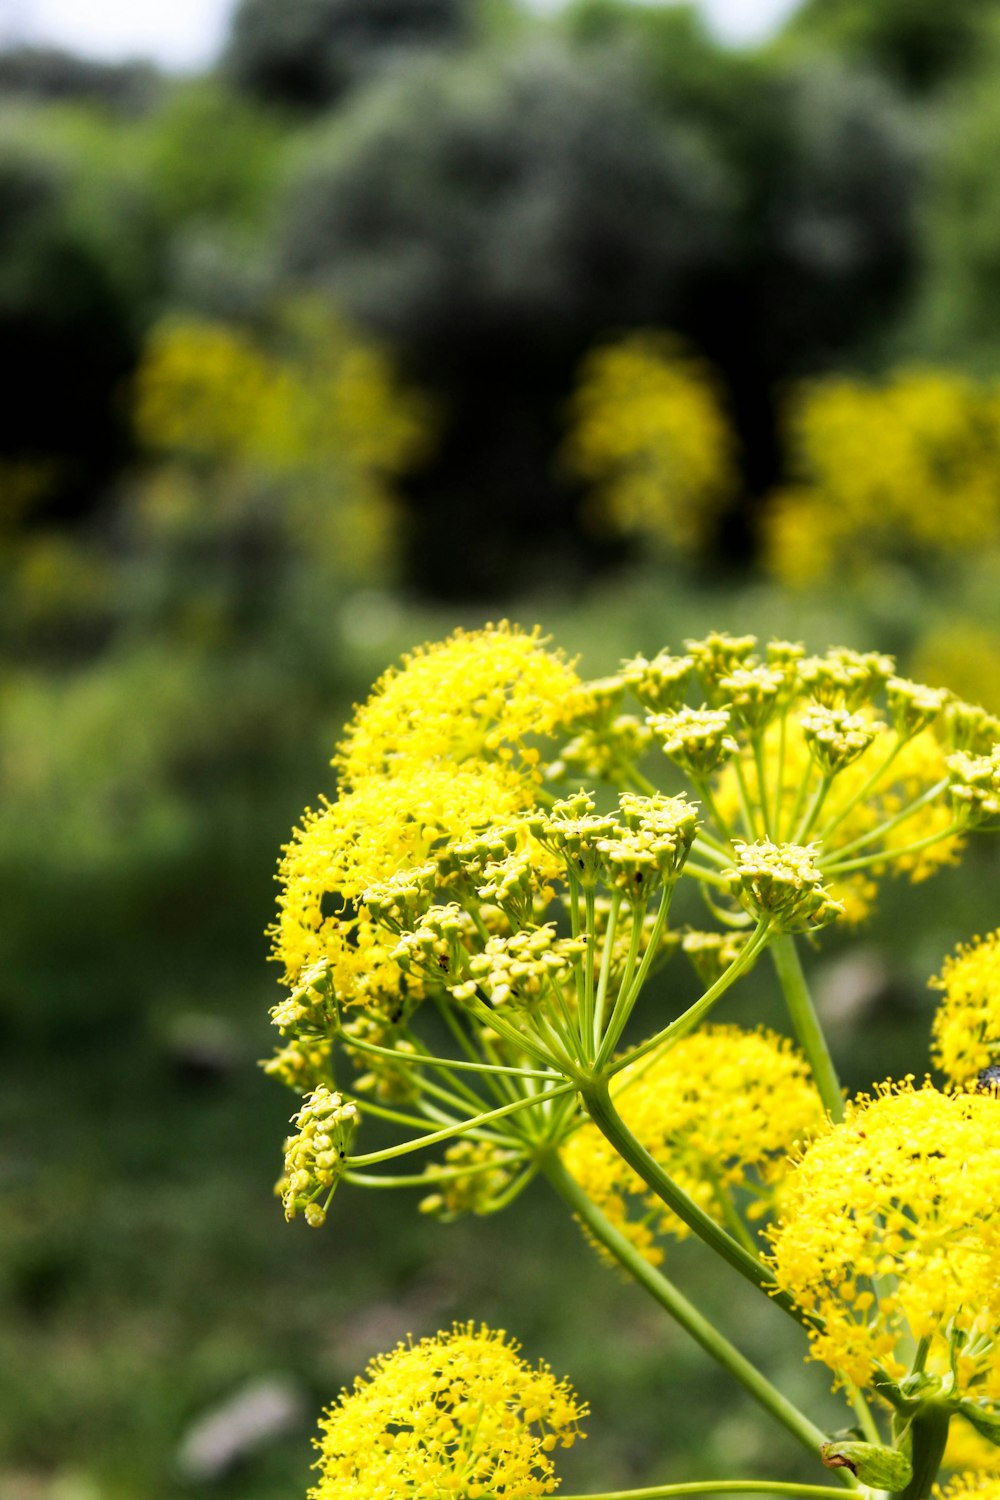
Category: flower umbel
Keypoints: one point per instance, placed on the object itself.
(315, 1156)
(890, 1233)
(781, 883)
(457, 1414)
(966, 1030)
(720, 1110)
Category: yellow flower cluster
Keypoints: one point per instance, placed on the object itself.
(781, 883)
(447, 871)
(890, 1234)
(968, 1451)
(869, 792)
(459, 1414)
(489, 694)
(384, 825)
(973, 1486)
(647, 430)
(966, 1030)
(719, 1110)
(438, 757)
(908, 467)
(314, 1156)
(320, 395)
(318, 413)
(835, 749)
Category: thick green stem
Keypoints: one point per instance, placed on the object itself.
(806, 1023)
(609, 1122)
(929, 1438)
(681, 1310)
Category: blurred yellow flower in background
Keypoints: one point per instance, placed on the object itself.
(648, 432)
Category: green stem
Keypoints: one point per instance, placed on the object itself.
(686, 1022)
(590, 907)
(806, 1023)
(521, 1041)
(779, 784)
(597, 1099)
(929, 1435)
(461, 1127)
(869, 837)
(425, 1179)
(639, 781)
(718, 1487)
(758, 760)
(815, 807)
(632, 982)
(705, 797)
(746, 807)
(711, 877)
(863, 1412)
(428, 1060)
(681, 1310)
(862, 792)
(602, 984)
(711, 847)
(884, 856)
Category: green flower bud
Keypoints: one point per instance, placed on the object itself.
(781, 883)
(836, 738)
(846, 679)
(695, 739)
(718, 655)
(661, 684)
(975, 784)
(913, 706)
(755, 695)
(877, 1467)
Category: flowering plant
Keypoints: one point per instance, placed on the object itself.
(502, 869)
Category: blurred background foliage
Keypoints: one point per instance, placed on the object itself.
(406, 314)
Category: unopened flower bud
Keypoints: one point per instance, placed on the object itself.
(780, 883)
(695, 739)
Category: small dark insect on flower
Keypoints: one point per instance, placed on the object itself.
(988, 1081)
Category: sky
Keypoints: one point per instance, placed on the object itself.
(186, 34)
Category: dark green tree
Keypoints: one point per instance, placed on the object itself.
(310, 52)
(919, 44)
(493, 218)
(958, 318)
(68, 337)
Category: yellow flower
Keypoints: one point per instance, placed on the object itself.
(719, 1110)
(966, 1451)
(387, 824)
(860, 799)
(781, 884)
(907, 466)
(966, 1030)
(459, 1414)
(647, 429)
(482, 695)
(890, 1233)
(972, 1486)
